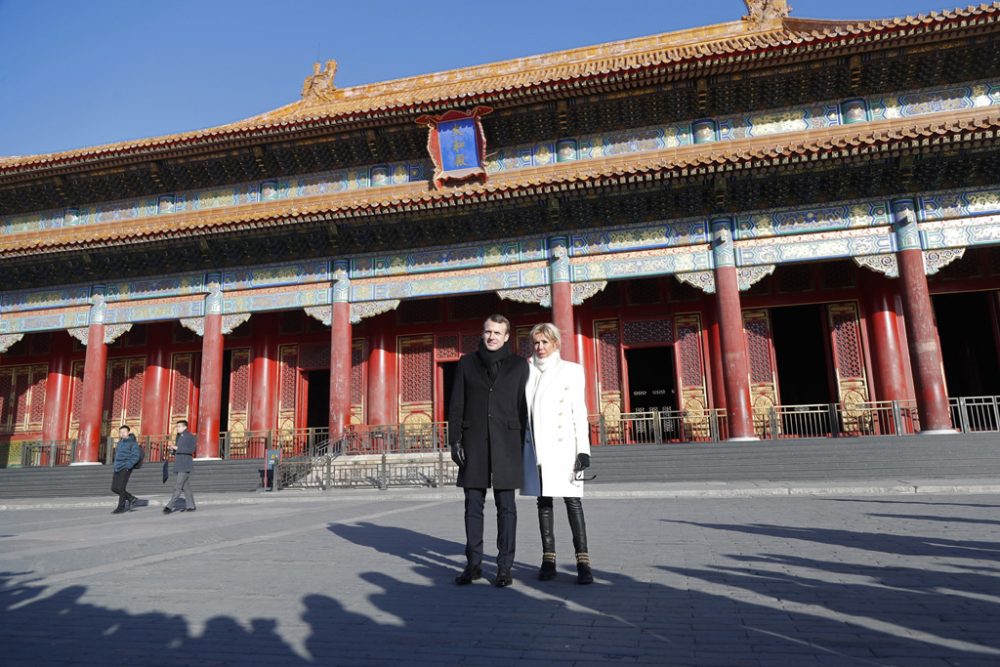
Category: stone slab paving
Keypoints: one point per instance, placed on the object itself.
(365, 578)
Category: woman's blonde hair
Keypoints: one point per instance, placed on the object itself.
(548, 330)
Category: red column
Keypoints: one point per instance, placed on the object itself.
(55, 415)
(887, 345)
(95, 369)
(340, 368)
(925, 349)
(562, 317)
(380, 403)
(562, 296)
(730, 318)
(156, 380)
(264, 372)
(715, 350)
(585, 356)
(210, 401)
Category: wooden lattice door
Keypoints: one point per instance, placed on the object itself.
(416, 379)
(762, 366)
(239, 392)
(693, 391)
(123, 393)
(844, 320)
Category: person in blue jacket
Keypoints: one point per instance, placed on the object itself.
(127, 455)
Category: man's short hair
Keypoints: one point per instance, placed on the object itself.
(181, 421)
(123, 426)
(499, 319)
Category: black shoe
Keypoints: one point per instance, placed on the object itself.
(469, 574)
(503, 578)
(190, 509)
(583, 574)
(547, 571)
(167, 510)
(119, 510)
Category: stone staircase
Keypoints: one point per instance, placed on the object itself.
(843, 459)
(80, 481)
(948, 456)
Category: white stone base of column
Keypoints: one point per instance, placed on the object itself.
(750, 438)
(939, 431)
(208, 458)
(86, 463)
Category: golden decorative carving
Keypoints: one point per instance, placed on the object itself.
(318, 86)
(766, 13)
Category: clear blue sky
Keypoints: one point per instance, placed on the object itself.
(76, 73)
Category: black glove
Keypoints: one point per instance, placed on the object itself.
(458, 454)
(582, 462)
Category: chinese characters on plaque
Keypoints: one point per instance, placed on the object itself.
(457, 146)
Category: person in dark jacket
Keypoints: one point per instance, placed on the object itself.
(126, 457)
(487, 418)
(183, 466)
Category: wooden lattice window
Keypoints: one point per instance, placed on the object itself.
(22, 398)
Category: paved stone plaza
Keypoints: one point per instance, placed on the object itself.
(365, 578)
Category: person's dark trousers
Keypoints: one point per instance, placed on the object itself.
(546, 526)
(577, 525)
(118, 485)
(475, 500)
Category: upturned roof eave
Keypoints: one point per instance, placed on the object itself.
(805, 147)
(792, 33)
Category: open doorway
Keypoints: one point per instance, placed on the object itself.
(801, 352)
(652, 382)
(318, 398)
(968, 343)
(447, 376)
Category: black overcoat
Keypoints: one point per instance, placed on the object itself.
(489, 420)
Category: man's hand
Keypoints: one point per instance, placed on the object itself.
(582, 462)
(458, 454)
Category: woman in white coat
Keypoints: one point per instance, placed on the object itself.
(557, 450)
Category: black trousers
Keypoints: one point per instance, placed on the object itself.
(118, 484)
(475, 501)
(577, 524)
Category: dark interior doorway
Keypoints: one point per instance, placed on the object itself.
(318, 398)
(447, 384)
(227, 367)
(800, 349)
(652, 382)
(968, 343)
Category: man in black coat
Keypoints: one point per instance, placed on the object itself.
(486, 423)
(184, 450)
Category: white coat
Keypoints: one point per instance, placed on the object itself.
(557, 430)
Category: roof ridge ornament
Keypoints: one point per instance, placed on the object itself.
(766, 14)
(318, 86)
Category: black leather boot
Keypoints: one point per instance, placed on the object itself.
(546, 525)
(584, 575)
(503, 577)
(574, 510)
(469, 574)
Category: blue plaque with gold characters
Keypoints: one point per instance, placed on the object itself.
(457, 146)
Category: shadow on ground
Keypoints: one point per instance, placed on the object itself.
(765, 609)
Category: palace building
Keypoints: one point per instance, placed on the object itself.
(770, 227)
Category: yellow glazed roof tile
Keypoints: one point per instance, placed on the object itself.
(817, 144)
(322, 102)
